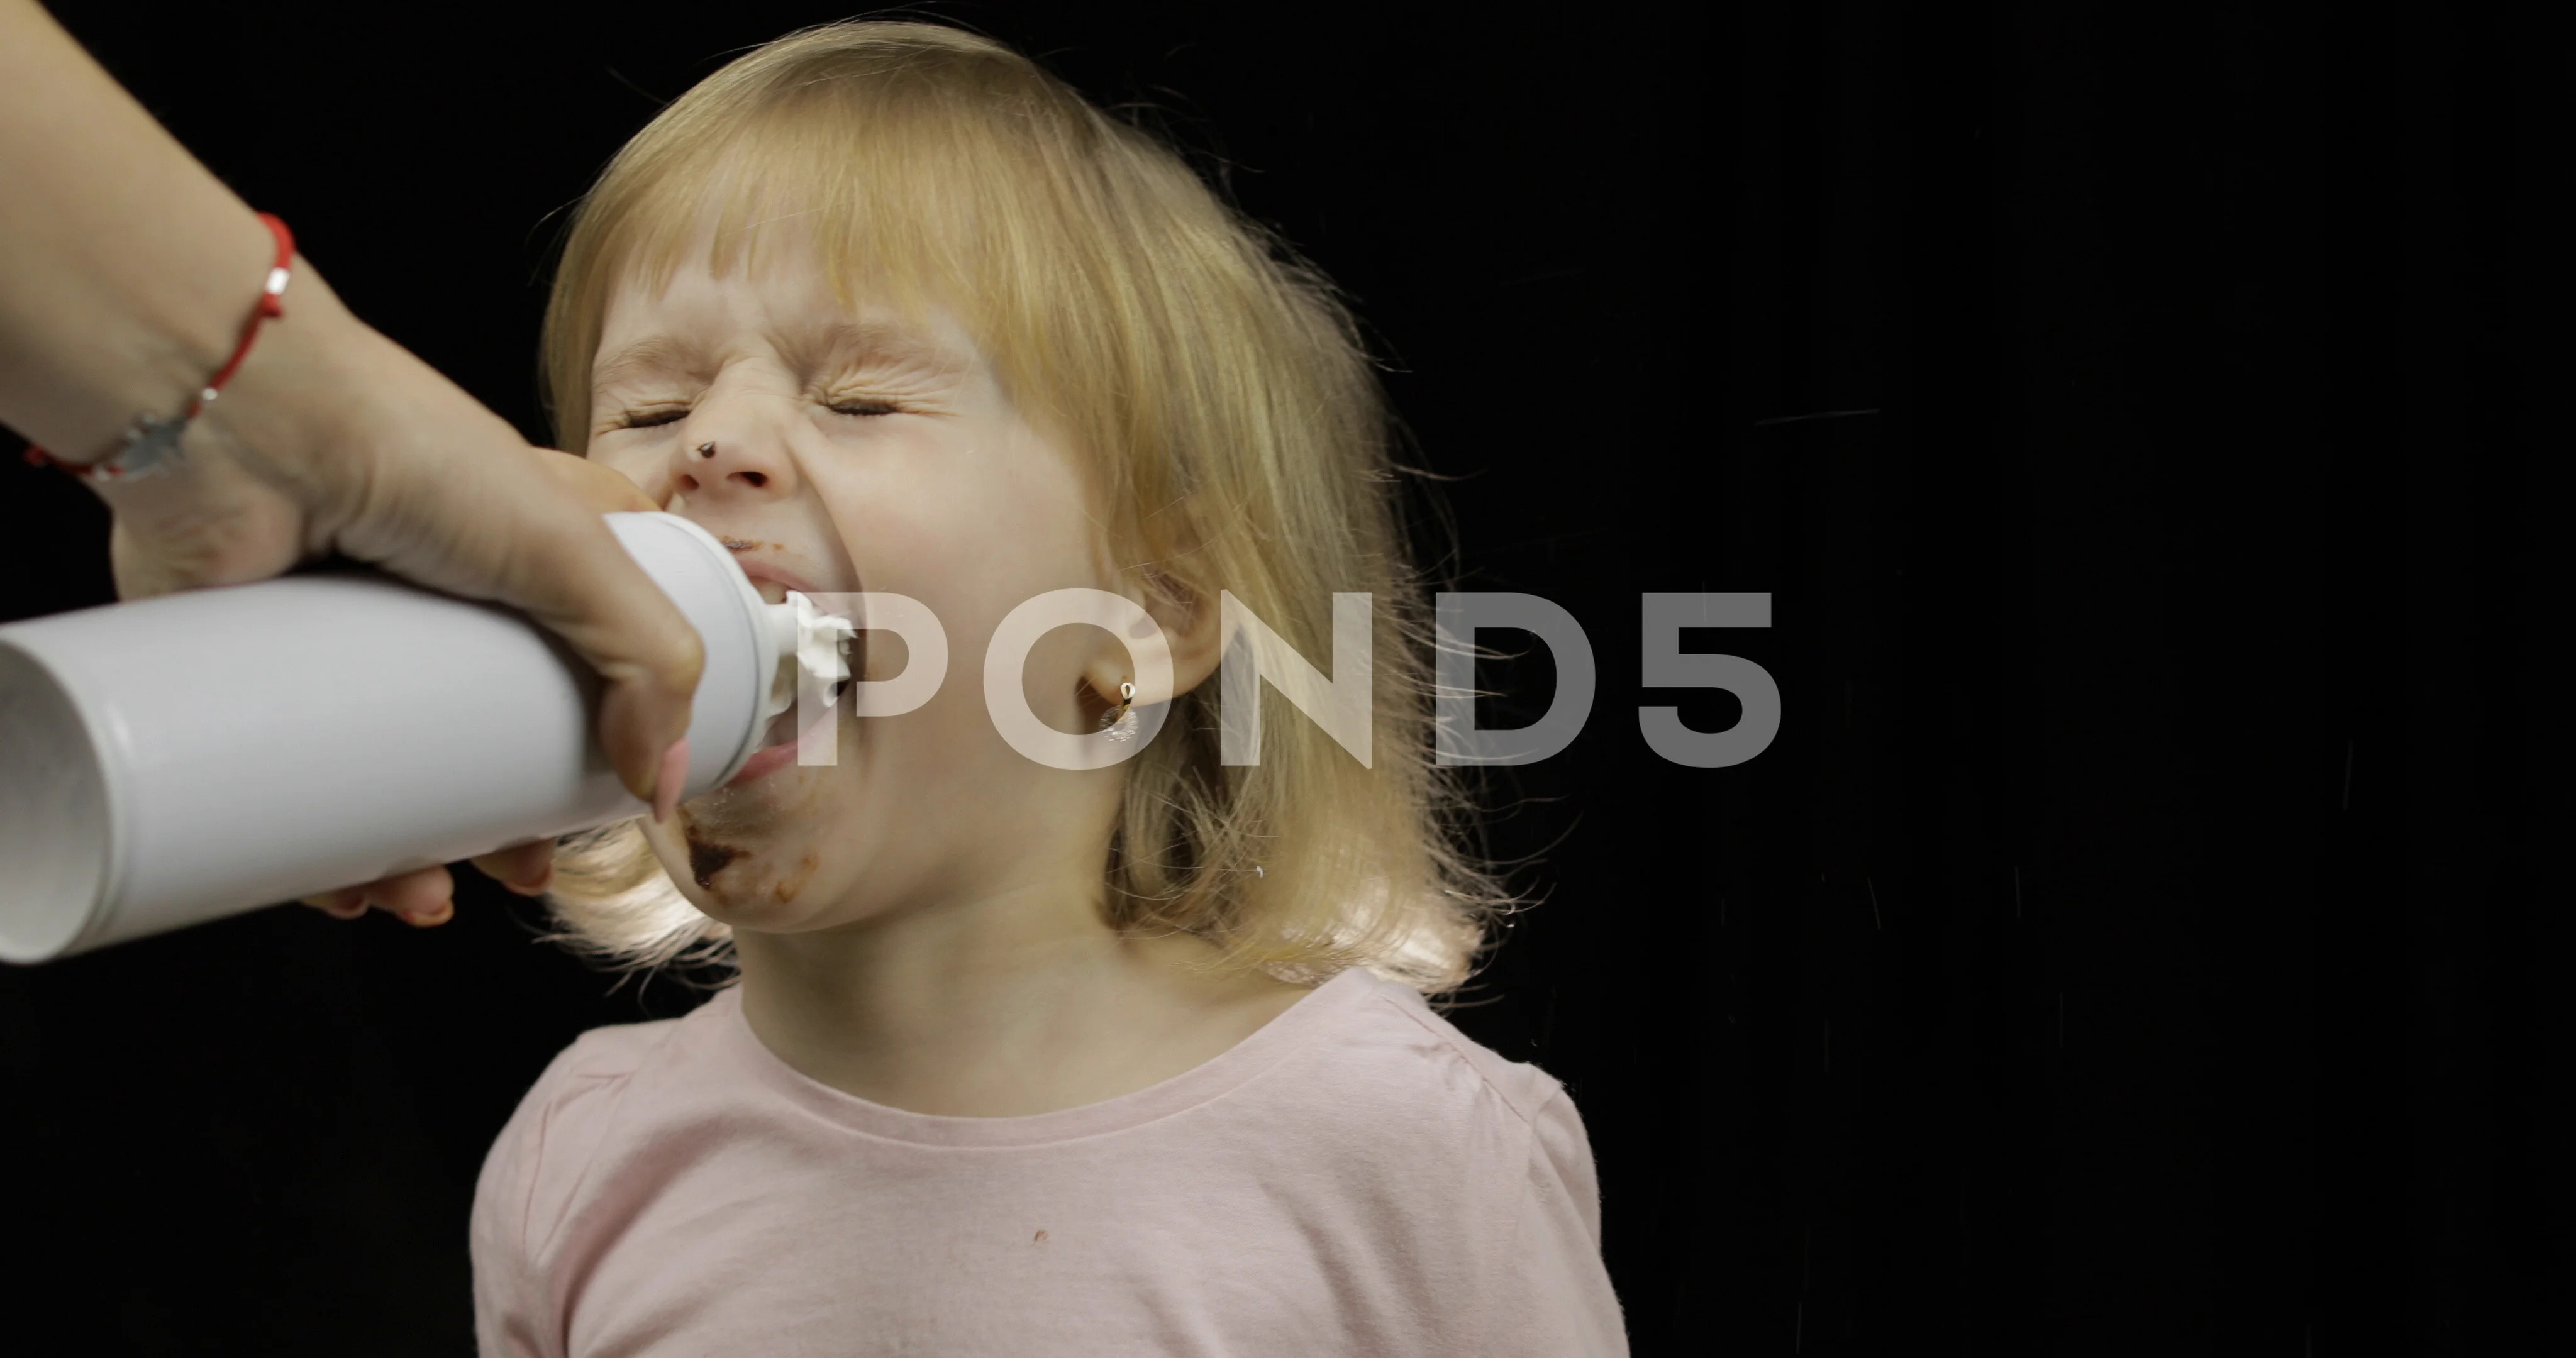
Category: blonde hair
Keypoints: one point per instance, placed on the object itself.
(1213, 385)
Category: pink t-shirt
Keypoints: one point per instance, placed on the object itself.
(1355, 1178)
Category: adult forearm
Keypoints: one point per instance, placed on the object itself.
(126, 267)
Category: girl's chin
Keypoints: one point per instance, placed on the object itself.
(748, 883)
(740, 846)
(760, 800)
(748, 917)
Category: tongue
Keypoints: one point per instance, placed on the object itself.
(782, 728)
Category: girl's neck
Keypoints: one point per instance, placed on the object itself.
(1008, 1004)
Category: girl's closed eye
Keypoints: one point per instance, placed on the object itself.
(854, 406)
(647, 419)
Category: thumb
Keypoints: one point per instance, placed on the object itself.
(647, 703)
(605, 491)
(524, 530)
(574, 577)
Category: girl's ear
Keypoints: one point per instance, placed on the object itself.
(1192, 623)
(1190, 620)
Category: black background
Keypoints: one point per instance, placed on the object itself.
(2143, 936)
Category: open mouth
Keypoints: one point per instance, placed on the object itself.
(778, 743)
(783, 727)
(779, 738)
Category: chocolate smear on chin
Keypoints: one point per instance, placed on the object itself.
(784, 889)
(707, 858)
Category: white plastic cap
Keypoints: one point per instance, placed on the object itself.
(813, 649)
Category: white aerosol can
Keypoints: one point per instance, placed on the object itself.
(180, 759)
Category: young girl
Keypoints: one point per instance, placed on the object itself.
(1122, 1060)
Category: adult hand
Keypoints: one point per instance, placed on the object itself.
(334, 439)
(428, 895)
(126, 271)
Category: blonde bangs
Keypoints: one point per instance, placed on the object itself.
(865, 170)
(1214, 385)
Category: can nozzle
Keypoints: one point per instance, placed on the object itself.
(813, 648)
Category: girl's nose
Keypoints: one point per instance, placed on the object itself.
(721, 467)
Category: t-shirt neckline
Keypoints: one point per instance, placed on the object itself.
(1230, 1069)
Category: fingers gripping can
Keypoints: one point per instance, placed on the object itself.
(180, 759)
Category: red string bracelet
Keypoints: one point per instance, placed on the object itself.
(152, 445)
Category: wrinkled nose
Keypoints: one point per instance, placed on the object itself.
(720, 468)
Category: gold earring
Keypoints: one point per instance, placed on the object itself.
(1121, 724)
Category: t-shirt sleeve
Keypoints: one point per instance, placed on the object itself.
(1554, 1296)
(521, 1194)
(508, 1299)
